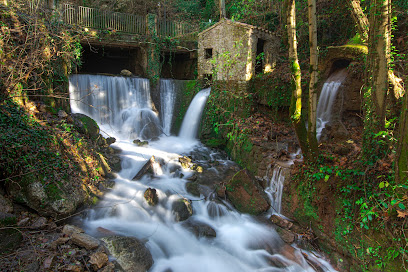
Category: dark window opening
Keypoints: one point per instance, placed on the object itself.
(260, 56)
(208, 53)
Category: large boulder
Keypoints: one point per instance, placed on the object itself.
(48, 200)
(86, 125)
(130, 253)
(246, 194)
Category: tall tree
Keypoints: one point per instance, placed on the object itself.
(363, 26)
(401, 164)
(296, 101)
(311, 133)
(223, 13)
(307, 138)
(377, 79)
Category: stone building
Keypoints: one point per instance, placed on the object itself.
(231, 50)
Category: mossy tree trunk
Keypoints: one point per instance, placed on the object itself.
(377, 76)
(360, 18)
(363, 26)
(311, 133)
(296, 102)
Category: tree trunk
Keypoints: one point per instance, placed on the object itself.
(223, 13)
(313, 79)
(401, 164)
(377, 82)
(379, 57)
(296, 102)
(359, 18)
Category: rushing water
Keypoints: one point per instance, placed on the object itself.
(242, 243)
(275, 188)
(326, 100)
(167, 99)
(191, 121)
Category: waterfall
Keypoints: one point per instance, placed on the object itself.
(275, 189)
(167, 99)
(118, 104)
(192, 119)
(326, 100)
(242, 242)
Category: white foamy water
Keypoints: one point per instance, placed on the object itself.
(192, 119)
(326, 100)
(241, 243)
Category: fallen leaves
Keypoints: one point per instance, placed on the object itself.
(402, 214)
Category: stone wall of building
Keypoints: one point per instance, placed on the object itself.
(228, 51)
(223, 52)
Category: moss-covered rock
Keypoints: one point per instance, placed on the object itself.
(246, 194)
(130, 253)
(150, 195)
(86, 125)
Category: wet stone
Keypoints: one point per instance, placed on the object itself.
(150, 195)
(39, 223)
(98, 260)
(130, 253)
(85, 240)
(200, 229)
(140, 143)
(182, 209)
(70, 229)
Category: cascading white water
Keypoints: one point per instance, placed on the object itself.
(275, 189)
(192, 119)
(167, 99)
(117, 103)
(241, 242)
(327, 98)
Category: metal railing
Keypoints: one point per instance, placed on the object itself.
(113, 21)
(173, 29)
(94, 18)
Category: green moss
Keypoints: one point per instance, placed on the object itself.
(215, 143)
(183, 101)
(53, 192)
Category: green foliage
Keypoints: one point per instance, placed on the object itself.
(253, 12)
(369, 205)
(190, 9)
(191, 89)
(210, 11)
(273, 90)
(356, 40)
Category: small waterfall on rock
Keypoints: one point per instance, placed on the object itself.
(192, 119)
(167, 99)
(275, 189)
(327, 98)
(215, 237)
